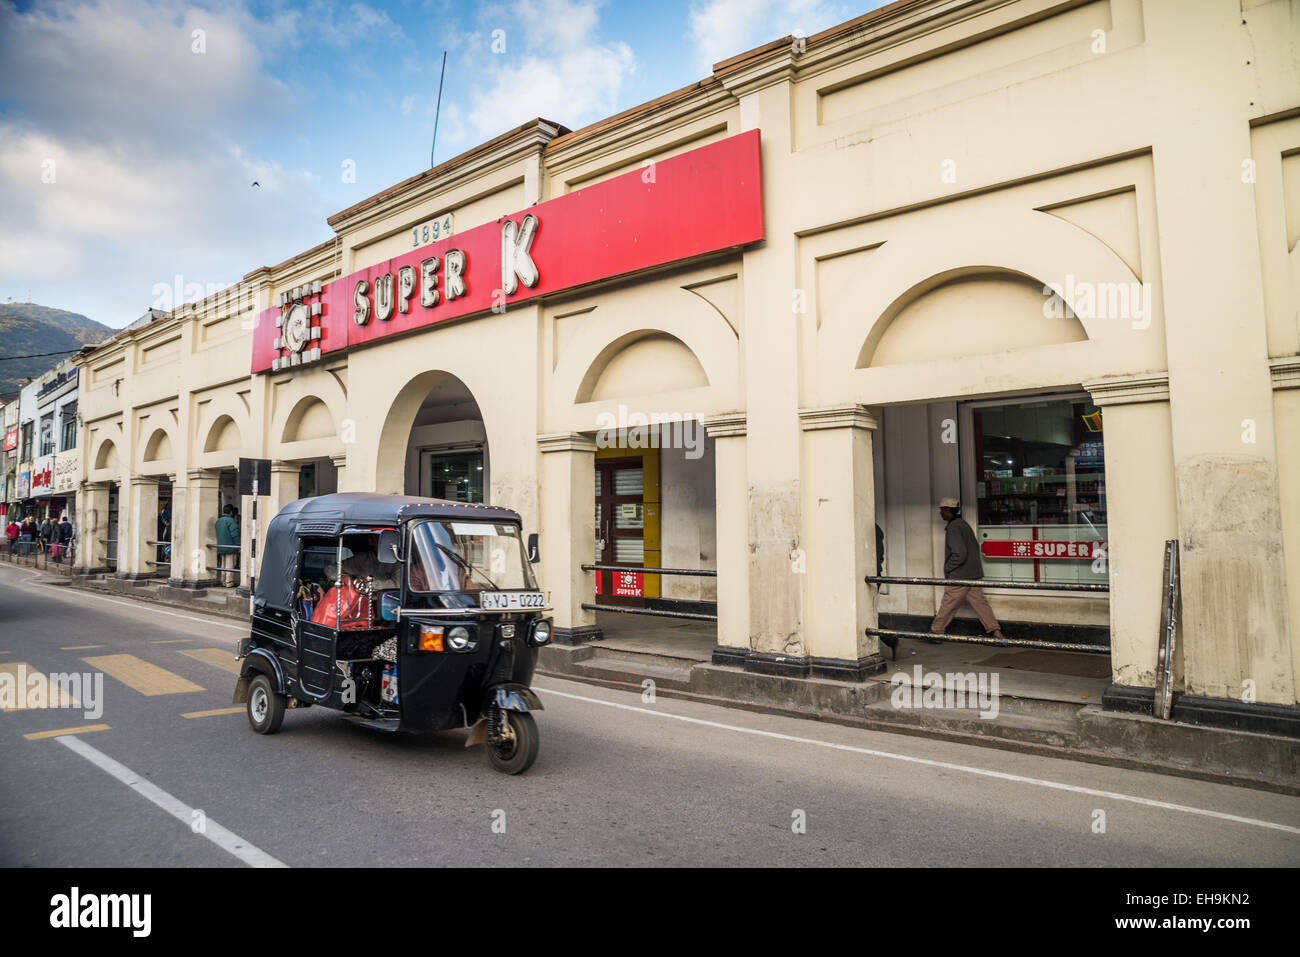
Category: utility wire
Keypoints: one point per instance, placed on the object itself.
(39, 355)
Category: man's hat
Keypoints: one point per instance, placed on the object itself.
(949, 502)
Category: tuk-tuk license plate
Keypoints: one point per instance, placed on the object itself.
(511, 600)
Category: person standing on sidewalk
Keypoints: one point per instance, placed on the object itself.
(228, 545)
(961, 559)
(65, 531)
(11, 535)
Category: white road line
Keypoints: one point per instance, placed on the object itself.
(229, 842)
(140, 606)
(1000, 775)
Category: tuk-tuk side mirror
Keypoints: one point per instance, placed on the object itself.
(390, 547)
(533, 556)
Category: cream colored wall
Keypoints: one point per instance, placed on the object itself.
(921, 177)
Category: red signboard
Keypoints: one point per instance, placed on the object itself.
(629, 584)
(1041, 549)
(11, 440)
(703, 201)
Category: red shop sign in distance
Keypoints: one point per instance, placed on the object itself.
(1010, 549)
(11, 440)
(703, 201)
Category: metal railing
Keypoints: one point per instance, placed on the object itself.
(652, 612)
(893, 633)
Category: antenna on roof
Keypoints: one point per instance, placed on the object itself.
(437, 109)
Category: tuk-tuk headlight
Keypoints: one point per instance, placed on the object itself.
(458, 638)
(542, 632)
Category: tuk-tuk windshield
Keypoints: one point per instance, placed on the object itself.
(468, 556)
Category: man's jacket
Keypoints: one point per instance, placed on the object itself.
(961, 552)
(227, 535)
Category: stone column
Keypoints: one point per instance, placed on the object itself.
(1285, 373)
(1225, 449)
(194, 511)
(839, 541)
(732, 534)
(567, 539)
(340, 463)
(137, 520)
(92, 525)
(1141, 515)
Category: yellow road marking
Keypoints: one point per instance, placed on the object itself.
(24, 680)
(171, 641)
(84, 729)
(223, 658)
(81, 647)
(143, 677)
(209, 714)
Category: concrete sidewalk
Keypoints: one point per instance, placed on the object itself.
(1045, 702)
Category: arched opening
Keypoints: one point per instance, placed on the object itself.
(309, 419)
(642, 363)
(434, 442)
(159, 447)
(106, 457)
(223, 436)
(969, 312)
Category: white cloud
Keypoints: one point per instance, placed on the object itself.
(555, 66)
(720, 29)
(150, 175)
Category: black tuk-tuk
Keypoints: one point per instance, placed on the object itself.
(406, 614)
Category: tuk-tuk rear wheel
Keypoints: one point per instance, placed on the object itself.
(517, 756)
(265, 707)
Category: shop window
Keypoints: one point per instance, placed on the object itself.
(47, 435)
(457, 476)
(1040, 489)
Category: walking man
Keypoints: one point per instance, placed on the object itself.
(228, 545)
(961, 559)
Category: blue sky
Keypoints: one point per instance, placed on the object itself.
(132, 130)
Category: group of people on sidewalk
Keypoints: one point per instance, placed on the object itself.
(53, 537)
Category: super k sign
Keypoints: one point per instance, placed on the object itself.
(703, 201)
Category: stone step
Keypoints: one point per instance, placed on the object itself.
(634, 667)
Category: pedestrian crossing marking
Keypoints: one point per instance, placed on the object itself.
(223, 658)
(210, 714)
(31, 686)
(143, 677)
(81, 647)
(84, 729)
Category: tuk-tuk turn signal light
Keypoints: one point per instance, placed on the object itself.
(431, 639)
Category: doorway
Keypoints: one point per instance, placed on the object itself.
(620, 530)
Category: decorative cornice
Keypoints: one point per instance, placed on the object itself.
(1129, 389)
(566, 442)
(837, 417)
(725, 425)
(1284, 371)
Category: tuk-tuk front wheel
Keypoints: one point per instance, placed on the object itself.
(517, 751)
(265, 707)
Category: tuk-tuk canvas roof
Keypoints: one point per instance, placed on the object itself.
(275, 573)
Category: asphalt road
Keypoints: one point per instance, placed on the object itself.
(619, 781)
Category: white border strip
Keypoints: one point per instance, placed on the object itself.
(1000, 775)
(228, 841)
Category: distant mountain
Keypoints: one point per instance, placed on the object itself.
(27, 328)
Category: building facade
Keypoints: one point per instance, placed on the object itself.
(42, 452)
(1036, 255)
